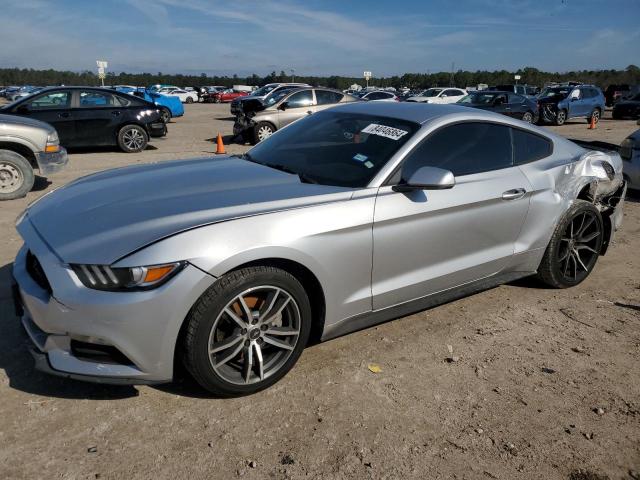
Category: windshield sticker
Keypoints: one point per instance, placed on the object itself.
(384, 131)
(359, 157)
(368, 164)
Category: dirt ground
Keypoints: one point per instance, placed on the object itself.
(546, 386)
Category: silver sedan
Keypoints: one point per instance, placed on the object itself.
(350, 217)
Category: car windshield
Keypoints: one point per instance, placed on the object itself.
(262, 91)
(275, 97)
(334, 148)
(555, 92)
(432, 92)
(478, 98)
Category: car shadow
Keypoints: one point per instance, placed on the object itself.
(40, 183)
(17, 363)
(106, 149)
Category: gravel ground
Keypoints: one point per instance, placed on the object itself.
(546, 384)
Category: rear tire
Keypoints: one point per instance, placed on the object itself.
(189, 100)
(132, 139)
(595, 115)
(231, 350)
(574, 247)
(16, 175)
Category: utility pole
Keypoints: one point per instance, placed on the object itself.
(452, 78)
(293, 76)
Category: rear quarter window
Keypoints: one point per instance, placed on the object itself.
(529, 147)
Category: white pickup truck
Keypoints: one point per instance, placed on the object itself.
(26, 145)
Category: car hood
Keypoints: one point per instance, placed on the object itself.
(19, 120)
(103, 217)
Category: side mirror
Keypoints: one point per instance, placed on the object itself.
(283, 106)
(427, 178)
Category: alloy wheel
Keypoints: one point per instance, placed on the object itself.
(254, 335)
(133, 139)
(579, 247)
(527, 117)
(10, 178)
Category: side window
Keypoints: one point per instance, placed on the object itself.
(464, 148)
(300, 99)
(50, 101)
(93, 99)
(528, 147)
(375, 96)
(520, 89)
(119, 101)
(513, 98)
(326, 97)
(457, 93)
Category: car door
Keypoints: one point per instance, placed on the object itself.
(97, 116)
(516, 105)
(296, 106)
(500, 104)
(54, 108)
(427, 241)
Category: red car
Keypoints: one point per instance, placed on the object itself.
(227, 95)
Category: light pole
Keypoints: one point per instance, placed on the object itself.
(293, 77)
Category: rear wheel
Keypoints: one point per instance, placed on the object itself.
(16, 175)
(595, 115)
(189, 100)
(561, 117)
(247, 331)
(132, 139)
(574, 247)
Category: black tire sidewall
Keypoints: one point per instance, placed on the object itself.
(257, 128)
(207, 310)
(28, 176)
(126, 128)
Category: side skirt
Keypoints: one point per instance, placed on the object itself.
(376, 317)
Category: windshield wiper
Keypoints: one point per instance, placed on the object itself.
(304, 178)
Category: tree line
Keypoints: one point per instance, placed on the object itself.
(460, 78)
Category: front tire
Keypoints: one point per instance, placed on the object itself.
(165, 115)
(561, 117)
(247, 331)
(262, 131)
(527, 117)
(189, 100)
(132, 139)
(595, 115)
(574, 248)
(16, 175)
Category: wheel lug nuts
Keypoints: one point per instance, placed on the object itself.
(244, 331)
(247, 343)
(264, 327)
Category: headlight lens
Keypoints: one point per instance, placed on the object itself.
(104, 277)
(53, 143)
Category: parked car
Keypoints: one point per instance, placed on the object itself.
(26, 145)
(439, 95)
(561, 103)
(169, 106)
(629, 108)
(285, 107)
(350, 217)
(183, 95)
(259, 95)
(615, 92)
(506, 103)
(379, 96)
(524, 90)
(630, 153)
(20, 92)
(91, 117)
(227, 95)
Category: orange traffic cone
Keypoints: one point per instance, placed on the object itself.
(592, 123)
(220, 146)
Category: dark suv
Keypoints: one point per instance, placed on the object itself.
(562, 102)
(90, 117)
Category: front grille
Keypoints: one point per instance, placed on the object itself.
(37, 273)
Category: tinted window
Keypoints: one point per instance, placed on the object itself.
(94, 99)
(528, 147)
(50, 101)
(464, 149)
(300, 99)
(513, 98)
(325, 97)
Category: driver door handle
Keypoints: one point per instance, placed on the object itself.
(514, 194)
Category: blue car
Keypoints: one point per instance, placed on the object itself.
(560, 103)
(170, 106)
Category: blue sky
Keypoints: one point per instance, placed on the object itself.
(319, 37)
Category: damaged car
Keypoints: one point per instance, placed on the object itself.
(260, 119)
(353, 216)
(560, 103)
(630, 153)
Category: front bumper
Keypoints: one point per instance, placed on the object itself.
(143, 326)
(241, 125)
(53, 162)
(157, 129)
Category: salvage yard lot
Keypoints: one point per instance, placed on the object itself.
(533, 367)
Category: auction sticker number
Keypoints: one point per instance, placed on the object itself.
(384, 131)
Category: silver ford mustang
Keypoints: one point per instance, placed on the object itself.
(347, 218)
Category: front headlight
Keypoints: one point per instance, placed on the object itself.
(104, 277)
(53, 143)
